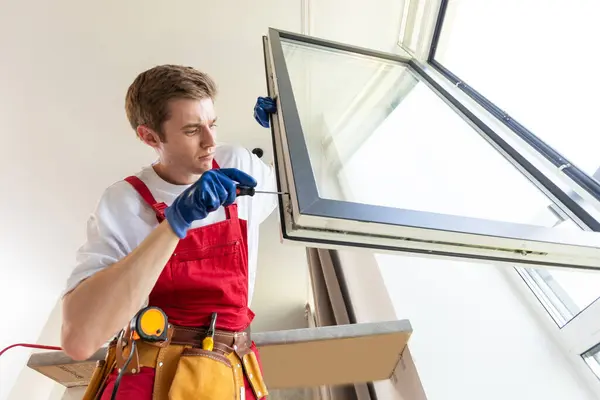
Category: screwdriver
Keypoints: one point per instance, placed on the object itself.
(250, 191)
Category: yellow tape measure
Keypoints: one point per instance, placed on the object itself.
(150, 324)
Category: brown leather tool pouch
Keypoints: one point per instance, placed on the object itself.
(100, 374)
(203, 375)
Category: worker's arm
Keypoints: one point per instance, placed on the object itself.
(105, 302)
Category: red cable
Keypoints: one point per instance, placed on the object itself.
(33, 346)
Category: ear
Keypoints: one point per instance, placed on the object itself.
(148, 136)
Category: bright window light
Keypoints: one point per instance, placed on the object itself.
(534, 59)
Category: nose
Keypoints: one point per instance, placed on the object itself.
(208, 139)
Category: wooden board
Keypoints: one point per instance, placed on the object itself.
(331, 355)
(63, 369)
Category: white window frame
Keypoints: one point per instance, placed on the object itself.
(581, 333)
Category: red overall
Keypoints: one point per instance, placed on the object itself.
(208, 272)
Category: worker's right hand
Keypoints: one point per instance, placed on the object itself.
(215, 187)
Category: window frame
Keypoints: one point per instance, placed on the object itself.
(307, 218)
(581, 334)
(592, 353)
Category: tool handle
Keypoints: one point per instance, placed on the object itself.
(241, 190)
(208, 343)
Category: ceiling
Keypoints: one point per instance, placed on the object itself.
(64, 71)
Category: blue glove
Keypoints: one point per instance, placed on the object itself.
(215, 187)
(263, 108)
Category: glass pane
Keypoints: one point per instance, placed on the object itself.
(517, 68)
(592, 358)
(377, 135)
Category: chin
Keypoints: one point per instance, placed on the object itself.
(204, 165)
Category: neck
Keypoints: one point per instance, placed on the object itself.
(173, 175)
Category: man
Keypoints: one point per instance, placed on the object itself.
(174, 236)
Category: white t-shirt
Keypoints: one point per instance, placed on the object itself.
(122, 219)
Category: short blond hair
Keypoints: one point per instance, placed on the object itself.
(147, 99)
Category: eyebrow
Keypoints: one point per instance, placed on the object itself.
(196, 124)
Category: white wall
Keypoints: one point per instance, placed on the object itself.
(281, 283)
(474, 337)
(32, 385)
(65, 68)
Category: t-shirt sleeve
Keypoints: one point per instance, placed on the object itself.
(243, 159)
(108, 237)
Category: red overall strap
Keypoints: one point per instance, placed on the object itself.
(142, 189)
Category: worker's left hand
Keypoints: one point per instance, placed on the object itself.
(264, 107)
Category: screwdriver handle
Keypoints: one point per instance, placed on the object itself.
(241, 190)
(208, 342)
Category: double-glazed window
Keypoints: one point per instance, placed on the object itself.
(377, 152)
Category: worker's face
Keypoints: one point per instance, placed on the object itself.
(189, 136)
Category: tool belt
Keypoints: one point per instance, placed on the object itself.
(183, 370)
